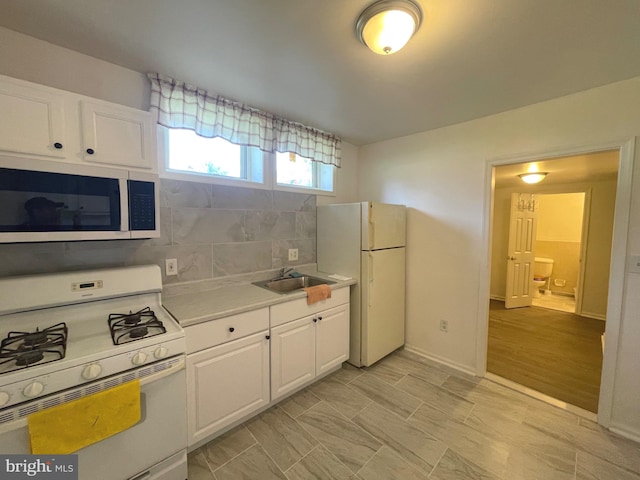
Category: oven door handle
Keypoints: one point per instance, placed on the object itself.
(175, 368)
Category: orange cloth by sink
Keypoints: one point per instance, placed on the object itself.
(74, 425)
(317, 293)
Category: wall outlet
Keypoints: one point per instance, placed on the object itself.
(444, 325)
(171, 266)
(293, 254)
(634, 264)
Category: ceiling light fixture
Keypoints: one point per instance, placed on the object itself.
(387, 25)
(533, 177)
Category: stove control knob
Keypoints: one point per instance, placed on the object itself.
(161, 352)
(139, 358)
(33, 389)
(4, 398)
(91, 371)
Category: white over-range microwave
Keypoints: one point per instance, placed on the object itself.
(43, 201)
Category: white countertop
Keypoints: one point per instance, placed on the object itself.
(203, 306)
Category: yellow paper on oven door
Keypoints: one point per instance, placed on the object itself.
(77, 424)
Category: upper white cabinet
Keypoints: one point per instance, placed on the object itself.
(117, 135)
(43, 122)
(32, 121)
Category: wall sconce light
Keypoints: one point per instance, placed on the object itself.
(387, 25)
(533, 177)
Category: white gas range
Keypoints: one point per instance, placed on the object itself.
(69, 335)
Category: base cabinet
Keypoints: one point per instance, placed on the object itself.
(305, 348)
(226, 383)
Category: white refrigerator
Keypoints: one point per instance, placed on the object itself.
(366, 241)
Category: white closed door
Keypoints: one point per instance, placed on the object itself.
(226, 383)
(332, 338)
(382, 300)
(118, 135)
(383, 226)
(32, 121)
(293, 355)
(520, 255)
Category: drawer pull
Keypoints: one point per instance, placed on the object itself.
(267, 337)
(319, 318)
(315, 320)
(57, 145)
(90, 151)
(231, 329)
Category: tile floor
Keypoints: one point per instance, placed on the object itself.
(555, 302)
(409, 418)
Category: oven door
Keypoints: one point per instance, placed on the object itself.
(153, 449)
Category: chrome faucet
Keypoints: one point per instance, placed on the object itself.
(284, 272)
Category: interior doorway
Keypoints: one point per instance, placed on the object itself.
(556, 353)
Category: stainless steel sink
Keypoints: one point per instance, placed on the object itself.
(286, 285)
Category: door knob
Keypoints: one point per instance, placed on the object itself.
(509, 257)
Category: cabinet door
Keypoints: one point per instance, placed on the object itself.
(226, 383)
(293, 361)
(32, 121)
(332, 338)
(118, 135)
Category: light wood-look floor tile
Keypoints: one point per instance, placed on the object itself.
(417, 447)
(319, 464)
(253, 463)
(455, 467)
(347, 441)
(410, 418)
(228, 446)
(282, 437)
(348, 401)
(386, 395)
(388, 465)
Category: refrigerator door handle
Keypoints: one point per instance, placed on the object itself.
(370, 258)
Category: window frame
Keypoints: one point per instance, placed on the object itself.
(269, 172)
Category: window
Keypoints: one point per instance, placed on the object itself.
(295, 171)
(188, 155)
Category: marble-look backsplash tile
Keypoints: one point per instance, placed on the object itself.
(214, 232)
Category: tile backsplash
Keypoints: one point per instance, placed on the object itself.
(214, 231)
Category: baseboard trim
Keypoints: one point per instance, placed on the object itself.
(442, 360)
(542, 397)
(626, 433)
(497, 297)
(595, 316)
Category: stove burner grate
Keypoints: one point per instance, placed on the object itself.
(128, 327)
(29, 348)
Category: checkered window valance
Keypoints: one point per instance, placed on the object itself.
(180, 105)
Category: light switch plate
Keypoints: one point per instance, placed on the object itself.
(171, 266)
(634, 264)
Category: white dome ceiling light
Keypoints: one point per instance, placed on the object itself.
(387, 25)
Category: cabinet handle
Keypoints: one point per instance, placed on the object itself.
(267, 337)
(315, 320)
(58, 145)
(90, 151)
(319, 318)
(231, 329)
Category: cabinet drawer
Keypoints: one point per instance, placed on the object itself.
(222, 330)
(285, 312)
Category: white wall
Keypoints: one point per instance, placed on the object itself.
(441, 176)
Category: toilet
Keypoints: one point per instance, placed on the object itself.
(542, 268)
